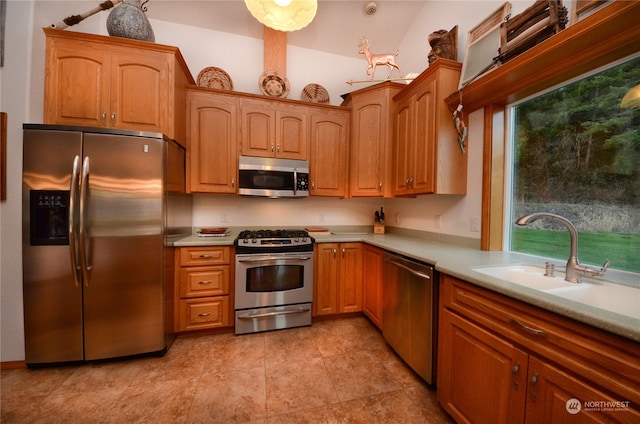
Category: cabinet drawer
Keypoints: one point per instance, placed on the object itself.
(605, 359)
(201, 313)
(193, 256)
(205, 281)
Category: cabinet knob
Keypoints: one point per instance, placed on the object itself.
(206, 256)
(278, 147)
(205, 282)
(113, 119)
(313, 185)
(334, 253)
(380, 185)
(272, 147)
(514, 373)
(532, 385)
(233, 183)
(205, 314)
(104, 118)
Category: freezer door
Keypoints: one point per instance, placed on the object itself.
(122, 245)
(52, 299)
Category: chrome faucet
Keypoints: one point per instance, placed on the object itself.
(574, 270)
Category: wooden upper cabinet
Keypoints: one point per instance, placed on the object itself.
(113, 82)
(427, 157)
(328, 159)
(213, 133)
(138, 95)
(271, 129)
(371, 140)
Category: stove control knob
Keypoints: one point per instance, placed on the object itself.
(254, 240)
(245, 241)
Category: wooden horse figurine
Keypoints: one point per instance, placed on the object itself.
(378, 59)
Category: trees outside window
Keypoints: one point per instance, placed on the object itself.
(576, 153)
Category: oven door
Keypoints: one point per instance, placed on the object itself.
(273, 279)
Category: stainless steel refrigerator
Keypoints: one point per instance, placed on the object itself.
(99, 209)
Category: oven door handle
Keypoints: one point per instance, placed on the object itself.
(273, 314)
(273, 258)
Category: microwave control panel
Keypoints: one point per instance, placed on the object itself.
(303, 182)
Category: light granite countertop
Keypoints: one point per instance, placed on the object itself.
(458, 257)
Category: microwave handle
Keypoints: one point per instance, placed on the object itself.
(295, 181)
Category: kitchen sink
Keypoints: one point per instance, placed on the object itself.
(526, 275)
(618, 298)
(610, 296)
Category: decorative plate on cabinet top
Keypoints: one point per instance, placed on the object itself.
(314, 93)
(213, 77)
(273, 84)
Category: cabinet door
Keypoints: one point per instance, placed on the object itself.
(258, 128)
(372, 258)
(212, 136)
(369, 118)
(326, 272)
(481, 377)
(292, 133)
(76, 90)
(424, 138)
(556, 397)
(350, 279)
(328, 159)
(402, 159)
(139, 97)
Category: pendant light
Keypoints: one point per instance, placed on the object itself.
(283, 15)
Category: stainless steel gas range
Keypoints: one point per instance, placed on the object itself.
(274, 280)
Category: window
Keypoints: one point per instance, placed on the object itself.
(576, 153)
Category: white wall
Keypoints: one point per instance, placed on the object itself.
(21, 96)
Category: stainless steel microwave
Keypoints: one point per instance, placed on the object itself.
(273, 177)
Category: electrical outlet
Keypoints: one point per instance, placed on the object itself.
(396, 217)
(438, 221)
(474, 224)
(321, 217)
(223, 218)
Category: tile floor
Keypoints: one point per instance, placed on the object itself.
(338, 371)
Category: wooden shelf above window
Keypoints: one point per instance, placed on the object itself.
(610, 34)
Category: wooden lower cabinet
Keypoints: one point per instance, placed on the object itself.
(338, 278)
(503, 361)
(203, 288)
(372, 260)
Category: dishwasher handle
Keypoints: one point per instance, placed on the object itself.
(415, 272)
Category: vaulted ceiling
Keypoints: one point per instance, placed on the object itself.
(337, 27)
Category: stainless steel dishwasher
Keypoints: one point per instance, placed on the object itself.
(409, 314)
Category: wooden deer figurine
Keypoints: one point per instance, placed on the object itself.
(378, 59)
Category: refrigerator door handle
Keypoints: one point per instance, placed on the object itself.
(73, 199)
(83, 229)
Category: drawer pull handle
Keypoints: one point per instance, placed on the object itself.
(527, 328)
(205, 282)
(532, 384)
(205, 314)
(206, 256)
